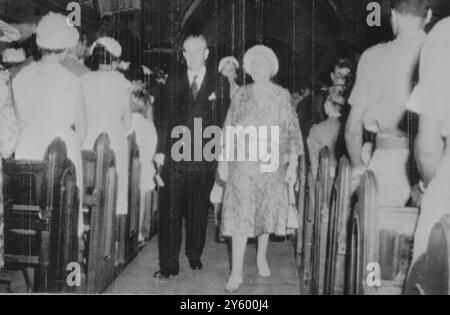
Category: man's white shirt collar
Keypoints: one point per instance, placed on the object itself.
(200, 76)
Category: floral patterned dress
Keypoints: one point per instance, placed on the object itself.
(256, 202)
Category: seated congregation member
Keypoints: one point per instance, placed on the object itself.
(431, 100)
(74, 61)
(383, 85)
(146, 138)
(191, 94)
(49, 98)
(256, 202)
(108, 103)
(328, 133)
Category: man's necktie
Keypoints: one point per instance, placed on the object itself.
(195, 88)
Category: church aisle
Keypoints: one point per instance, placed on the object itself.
(138, 279)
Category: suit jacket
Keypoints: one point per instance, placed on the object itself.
(180, 109)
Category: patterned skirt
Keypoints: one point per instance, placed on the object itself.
(255, 203)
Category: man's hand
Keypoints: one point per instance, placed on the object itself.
(357, 173)
(159, 159)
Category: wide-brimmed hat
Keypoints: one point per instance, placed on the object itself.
(14, 55)
(54, 33)
(8, 33)
(110, 44)
(261, 50)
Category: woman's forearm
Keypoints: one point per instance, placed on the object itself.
(428, 162)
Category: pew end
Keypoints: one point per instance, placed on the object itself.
(340, 215)
(430, 275)
(102, 218)
(381, 243)
(41, 217)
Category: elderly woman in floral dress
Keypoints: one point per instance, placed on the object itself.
(256, 203)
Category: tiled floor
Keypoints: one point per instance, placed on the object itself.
(137, 278)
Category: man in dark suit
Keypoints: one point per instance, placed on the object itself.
(191, 95)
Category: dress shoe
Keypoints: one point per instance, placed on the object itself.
(196, 264)
(164, 275)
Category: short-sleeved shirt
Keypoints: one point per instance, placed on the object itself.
(385, 79)
(431, 97)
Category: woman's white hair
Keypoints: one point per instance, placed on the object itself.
(261, 50)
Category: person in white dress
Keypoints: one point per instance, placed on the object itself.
(108, 103)
(49, 98)
(146, 137)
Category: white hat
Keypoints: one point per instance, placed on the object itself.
(110, 44)
(263, 50)
(124, 65)
(229, 59)
(10, 34)
(146, 70)
(53, 32)
(14, 55)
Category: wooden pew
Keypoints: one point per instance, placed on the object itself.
(381, 239)
(41, 217)
(301, 203)
(101, 194)
(340, 215)
(305, 269)
(430, 275)
(134, 193)
(129, 224)
(321, 221)
(151, 215)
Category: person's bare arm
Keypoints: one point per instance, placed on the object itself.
(429, 148)
(126, 110)
(80, 116)
(354, 135)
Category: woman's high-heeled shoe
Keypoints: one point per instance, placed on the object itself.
(233, 285)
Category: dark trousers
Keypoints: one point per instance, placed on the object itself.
(186, 195)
